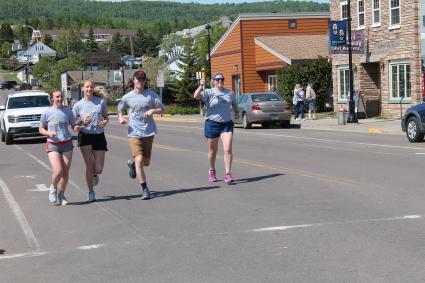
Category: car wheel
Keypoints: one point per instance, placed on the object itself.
(8, 138)
(3, 136)
(285, 124)
(245, 123)
(413, 131)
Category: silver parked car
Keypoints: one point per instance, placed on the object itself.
(265, 108)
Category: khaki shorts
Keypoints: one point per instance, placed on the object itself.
(141, 146)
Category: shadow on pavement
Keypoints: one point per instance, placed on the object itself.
(30, 140)
(108, 198)
(2, 252)
(255, 179)
(158, 194)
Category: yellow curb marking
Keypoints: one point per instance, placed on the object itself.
(374, 130)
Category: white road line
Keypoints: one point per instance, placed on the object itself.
(333, 141)
(310, 225)
(23, 222)
(91, 247)
(420, 153)
(40, 188)
(12, 256)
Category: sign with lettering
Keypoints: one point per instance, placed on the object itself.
(337, 33)
(357, 44)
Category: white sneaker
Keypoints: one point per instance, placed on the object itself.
(62, 200)
(303, 119)
(297, 119)
(53, 195)
(92, 197)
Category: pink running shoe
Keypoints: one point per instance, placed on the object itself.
(211, 176)
(228, 178)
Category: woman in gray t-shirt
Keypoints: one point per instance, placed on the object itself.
(54, 124)
(93, 115)
(218, 122)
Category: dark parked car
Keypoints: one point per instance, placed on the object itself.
(413, 123)
(22, 86)
(265, 108)
(8, 84)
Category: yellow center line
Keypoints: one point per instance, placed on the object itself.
(324, 178)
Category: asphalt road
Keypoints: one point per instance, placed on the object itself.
(307, 206)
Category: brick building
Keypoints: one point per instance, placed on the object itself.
(386, 55)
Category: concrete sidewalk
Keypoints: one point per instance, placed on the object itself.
(371, 125)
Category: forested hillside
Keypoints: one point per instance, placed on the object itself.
(155, 17)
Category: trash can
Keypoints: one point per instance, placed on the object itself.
(342, 117)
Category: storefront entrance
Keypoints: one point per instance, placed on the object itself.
(370, 88)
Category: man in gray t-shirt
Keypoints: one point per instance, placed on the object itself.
(141, 104)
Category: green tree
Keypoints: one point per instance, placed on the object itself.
(319, 72)
(48, 40)
(119, 45)
(73, 62)
(171, 44)
(152, 66)
(5, 49)
(184, 88)
(6, 33)
(91, 44)
(42, 70)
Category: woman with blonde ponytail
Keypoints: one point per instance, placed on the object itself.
(93, 115)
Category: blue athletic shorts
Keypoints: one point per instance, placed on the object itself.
(213, 129)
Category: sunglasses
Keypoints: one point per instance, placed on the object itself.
(219, 79)
(140, 79)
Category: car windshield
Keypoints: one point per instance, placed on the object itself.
(265, 97)
(28, 101)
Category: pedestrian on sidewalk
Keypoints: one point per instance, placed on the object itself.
(142, 103)
(218, 122)
(310, 96)
(298, 102)
(93, 117)
(54, 124)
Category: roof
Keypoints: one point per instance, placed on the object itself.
(270, 16)
(295, 47)
(28, 93)
(39, 48)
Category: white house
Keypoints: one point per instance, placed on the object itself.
(173, 68)
(35, 52)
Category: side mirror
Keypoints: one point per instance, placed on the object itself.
(2, 107)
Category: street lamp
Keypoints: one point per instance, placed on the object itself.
(208, 28)
(352, 116)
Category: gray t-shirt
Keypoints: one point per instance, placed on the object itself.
(58, 120)
(138, 104)
(96, 108)
(219, 104)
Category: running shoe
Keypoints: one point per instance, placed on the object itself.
(95, 180)
(92, 197)
(146, 194)
(132, 168)
(53, 195)
(62, 199)
(228, 178)
(211, 176)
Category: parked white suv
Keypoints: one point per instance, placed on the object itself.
(20, 114)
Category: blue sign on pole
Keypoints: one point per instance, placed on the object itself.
(337, 33)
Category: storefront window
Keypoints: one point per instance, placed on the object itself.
(400, 81)
(343, 83)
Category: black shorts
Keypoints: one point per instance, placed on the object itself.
(97, 141)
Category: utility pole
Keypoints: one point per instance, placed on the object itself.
(352, 116)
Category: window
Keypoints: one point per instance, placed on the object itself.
(272, 82)
(344, 10)
(394, 13)
(360, 13)
(343, 83)
(292, 24)
(400, 86)
(376, 10)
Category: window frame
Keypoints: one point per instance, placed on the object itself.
(346, 77)
(361, 14)
(391, 24)
(374, 9)
(407, 80)
(271, 78)
(341, 5)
